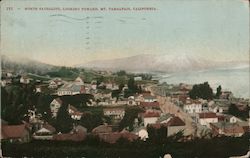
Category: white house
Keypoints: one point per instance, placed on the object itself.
(138, 78)
(3, 83)
(192, 106)
(206, 118)
(150, 117)
(115, 112)
(43, 134)
(25, 80)
(232, 119)
(71, 89)
(142, 133)
(52, 84)
(175, 125)
(54, 106)
(79, 81)
(149, 98)
(74, 113)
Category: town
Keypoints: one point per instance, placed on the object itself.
(78, 105)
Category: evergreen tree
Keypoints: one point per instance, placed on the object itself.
(218, 92)
(64, 123)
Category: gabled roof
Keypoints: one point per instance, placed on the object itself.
(175, 121)
(75, 111)
(49, 127)
(13, 131)
(57, 100)
(102, 129)
(164, 117)
(227, 127)
(43, 130)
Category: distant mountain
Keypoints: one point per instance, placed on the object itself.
(161, 63)
(25, 65)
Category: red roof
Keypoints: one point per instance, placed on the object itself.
(75, 111)
(221, 117)
(114, 136)
(49, 127)
(175, 121)
(75, 136)
(13, 131)
(59, 100)
(207, 115)
(158, 125)
(150, 104)
(151, 114)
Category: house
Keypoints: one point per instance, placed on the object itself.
(223, 103)
(38, 89)
(102, 129)
(75, 135)
(245, 125)
(149, 98)
(226, 95)
(79, 81)
(52, 84)
(175, 125)
(142, 133)
(111, 86)
(71, 89)
(164, 118)
(227, 128)
(74, 113)
(45, 132)
(232, 119)
(150, 105)
(15, 133)
(80, 128)
(131, 101)
(114, 112)
(138, 78)
(54, 106)
(150, 117)
(215, 108)
(55, 83)
(94, 85)
(25, 80)
(3, 83)
(192, 106)
(113, 137)
(206, 118)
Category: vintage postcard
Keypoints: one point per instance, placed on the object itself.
(125, 78)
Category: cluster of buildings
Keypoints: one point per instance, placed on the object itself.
(211, 115)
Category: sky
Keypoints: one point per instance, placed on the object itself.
(212, 29)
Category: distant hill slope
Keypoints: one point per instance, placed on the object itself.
(25, 65)
(162, 63)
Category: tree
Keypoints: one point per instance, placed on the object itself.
(115, 93)
(90, 120)
(64, 123)
(128, 120)
(121, 73)
(243, 114)
(203, 91)
(157, 135)
(218, 91)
